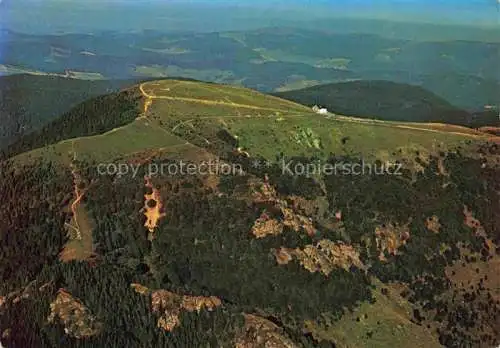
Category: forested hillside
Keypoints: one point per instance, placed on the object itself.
(91, 117)
(259, 256)
(382, 100)
(29, 102)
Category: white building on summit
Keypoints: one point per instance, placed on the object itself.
(319, 110)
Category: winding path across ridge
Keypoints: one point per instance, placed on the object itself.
(205, 101)
(418, 127)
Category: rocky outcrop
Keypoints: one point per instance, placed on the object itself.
(390, 237)
(268, 224)
(152, 208)
(324, 257)
(77, 320)
(432, 224)
(169, 305)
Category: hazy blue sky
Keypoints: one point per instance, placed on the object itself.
(88, 15)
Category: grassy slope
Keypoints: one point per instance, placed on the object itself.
(385, 323)
(265, 125)
(336, 136)
(144, 134)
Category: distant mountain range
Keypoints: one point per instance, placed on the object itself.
(465, 73)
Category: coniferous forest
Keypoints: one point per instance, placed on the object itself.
(204, 247)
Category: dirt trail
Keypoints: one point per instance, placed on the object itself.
(401, 126)
(206, 102)
(343, 118)
(147, 104)
(78, 198)
(79, 247)
(78, 194)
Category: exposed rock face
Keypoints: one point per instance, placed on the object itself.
(169, 305)
(390, 238)
(323, 257)
(267, 225)
(76, 318)
(298, 222)
(261, 333)
(141, 289)
(264, 226)
(196, 303)
(265, 193)
(152, 208)
(432, 224)
(283, 255)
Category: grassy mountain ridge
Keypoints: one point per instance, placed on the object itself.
(262, 256)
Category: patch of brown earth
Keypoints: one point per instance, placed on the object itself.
(76, 318)
(144, 157)
(140, 289)
(152, 208)
(490, 130)
(79, 229)
(471, 306)
(390, 237)
(79, 248)
(283, 255)
(473, 223)
(262, 333)
(186, 152)
(324, 257)
(169, 305)
(432, 224)
(477, 273)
